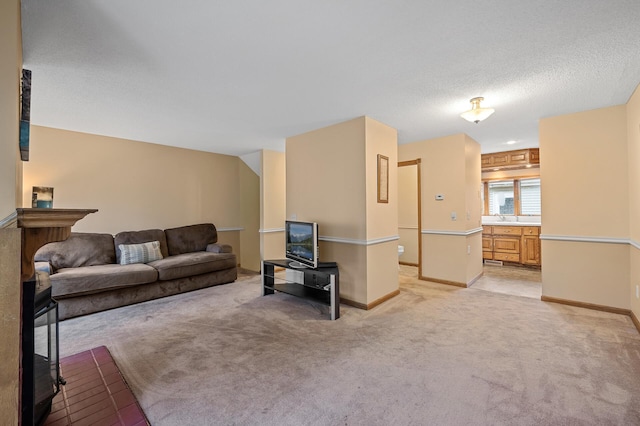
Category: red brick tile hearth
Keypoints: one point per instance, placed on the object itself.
(95, 393)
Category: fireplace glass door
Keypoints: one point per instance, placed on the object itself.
(40, 369)
(45, 359)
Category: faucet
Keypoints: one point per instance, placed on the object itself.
(501, 217)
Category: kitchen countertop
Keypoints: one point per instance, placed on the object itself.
(505, 223)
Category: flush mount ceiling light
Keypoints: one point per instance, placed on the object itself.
(476, 114)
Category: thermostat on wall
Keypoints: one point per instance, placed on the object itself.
(439, 197)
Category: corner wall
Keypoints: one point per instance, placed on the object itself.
(10, 189)
(585, 202)
(451, 249)
(633, 135)
(249, 206)
(332, 180)
(272, 205)
(10, 74)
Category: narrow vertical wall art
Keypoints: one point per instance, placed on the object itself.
(383, 179)
(25, 114)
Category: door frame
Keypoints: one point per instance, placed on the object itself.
(417, 163)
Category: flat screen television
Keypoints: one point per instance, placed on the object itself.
(301, 244)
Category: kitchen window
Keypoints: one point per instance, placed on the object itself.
(501, 197)
(530, 197)
(519, 197)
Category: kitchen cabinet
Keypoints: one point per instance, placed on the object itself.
(513, 244)
(530, 252)
(509, 160)
(487, 242)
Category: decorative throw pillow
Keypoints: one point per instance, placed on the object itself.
(139, 253)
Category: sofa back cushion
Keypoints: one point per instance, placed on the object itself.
(80, 249)
(137, 237)
(188, 239)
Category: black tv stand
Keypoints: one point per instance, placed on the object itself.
(321, 284)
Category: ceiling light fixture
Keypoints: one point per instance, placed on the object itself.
(476, 114)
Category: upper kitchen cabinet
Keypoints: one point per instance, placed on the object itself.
(510, 160)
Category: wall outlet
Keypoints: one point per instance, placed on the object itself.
(469, 249)
(454, 216)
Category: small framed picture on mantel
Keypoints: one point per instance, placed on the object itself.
(383, 179)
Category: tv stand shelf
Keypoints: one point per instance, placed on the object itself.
(320, 285)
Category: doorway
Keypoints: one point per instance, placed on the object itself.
(409, 214)
(513, 280)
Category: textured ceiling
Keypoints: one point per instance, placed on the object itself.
(234, 77)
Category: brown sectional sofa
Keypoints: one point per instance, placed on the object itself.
(86, 275)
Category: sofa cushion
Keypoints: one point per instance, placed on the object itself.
(137, 237)
(139, 253)
(80, 249)
(188, 239)
(69, 282)
(188, 264)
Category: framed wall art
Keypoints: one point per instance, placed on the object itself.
(383, 179)
(25, 114)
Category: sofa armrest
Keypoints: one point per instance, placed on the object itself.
(219, 248)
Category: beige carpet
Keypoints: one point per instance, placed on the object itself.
(434, 355)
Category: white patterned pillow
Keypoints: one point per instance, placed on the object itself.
(139, 253)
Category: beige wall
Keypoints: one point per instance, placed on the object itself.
(381, 218)
(596, 273)
(352, 262)
(583, 162)
(332, 180)
(633, 135)
(634, 277)
(473, 212)
(408, 212)
(472, 185)
(250, 211)
(450, 167)
(326, 184)
(134, 185)
(326, 179)
(10, 188)
(272, 204)
(585, 196)
(10, 71)
(474, 258)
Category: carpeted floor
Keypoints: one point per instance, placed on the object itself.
(434, 354)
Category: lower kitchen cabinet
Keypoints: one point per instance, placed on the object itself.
(513, 244)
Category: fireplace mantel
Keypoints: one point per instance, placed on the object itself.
(42, 226)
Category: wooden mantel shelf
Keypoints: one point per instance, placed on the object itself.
(42, 226)
(50, 218)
